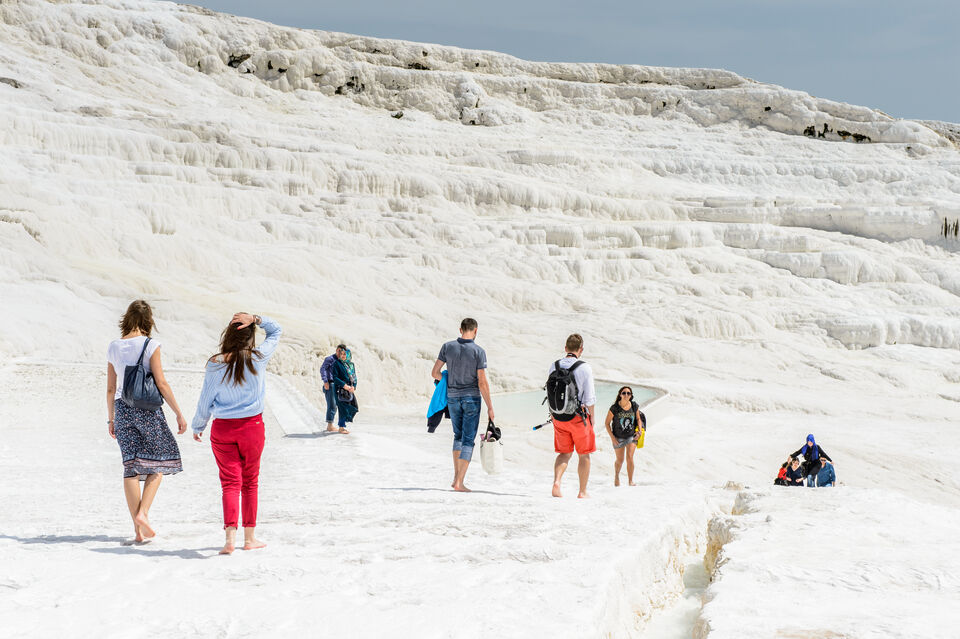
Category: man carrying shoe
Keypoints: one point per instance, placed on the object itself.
(466, 383)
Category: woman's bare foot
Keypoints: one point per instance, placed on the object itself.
(344, 431)
(556, 491)
(143, 527)
(583, 496)
(249, 541)
(331, 428)
(633, 483)
(230, 542)
(616, 480)
(460, 488)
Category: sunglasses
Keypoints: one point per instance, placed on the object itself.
(626, 394)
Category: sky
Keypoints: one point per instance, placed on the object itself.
(899, 57)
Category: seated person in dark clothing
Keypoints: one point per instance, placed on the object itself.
(794, 474)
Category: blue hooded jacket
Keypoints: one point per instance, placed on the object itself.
(811, 455)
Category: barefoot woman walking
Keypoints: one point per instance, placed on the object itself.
(624, 422)
(148, 448)
(233, 389)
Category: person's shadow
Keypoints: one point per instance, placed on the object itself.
(447, 490)
(322, 433)
(122, 550)
(62, 539)
(146, 551)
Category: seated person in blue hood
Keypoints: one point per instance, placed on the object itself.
(811, 454)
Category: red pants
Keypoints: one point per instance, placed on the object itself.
(237, 446)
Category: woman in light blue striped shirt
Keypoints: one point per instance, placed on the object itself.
(233, 389)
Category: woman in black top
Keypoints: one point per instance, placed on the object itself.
(624, 421)
(794, 474)
(812, 453)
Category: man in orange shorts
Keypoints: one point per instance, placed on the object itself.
(573, 428)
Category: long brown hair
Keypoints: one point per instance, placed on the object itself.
(237, 350)
(139, 316)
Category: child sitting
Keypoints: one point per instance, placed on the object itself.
(781, 479)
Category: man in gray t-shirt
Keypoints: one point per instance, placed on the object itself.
(466, 383)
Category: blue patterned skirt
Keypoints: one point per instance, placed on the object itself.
(145, 440)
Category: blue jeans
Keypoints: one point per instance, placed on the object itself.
(811, 481)
(331, 396)
(465, 415)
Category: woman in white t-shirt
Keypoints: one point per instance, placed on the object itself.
(148, 447)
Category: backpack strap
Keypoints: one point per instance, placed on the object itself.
(144, 350)
(574, 366)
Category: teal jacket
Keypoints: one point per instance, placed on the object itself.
(826, 476)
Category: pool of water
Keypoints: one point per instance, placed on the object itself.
(678, 619)
(526, 408)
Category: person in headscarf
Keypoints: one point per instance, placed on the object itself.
(344, 389)
(811, 453)
(351, 368)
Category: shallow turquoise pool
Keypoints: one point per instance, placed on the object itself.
(526, 409)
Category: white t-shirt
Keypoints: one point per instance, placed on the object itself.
(126, 352)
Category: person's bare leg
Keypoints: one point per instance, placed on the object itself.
(249, 541)
(131, 490)
(458, 486)
(456, 458)
(230, 542)
(583, 470)
(617, 465)
(559, 467)
(631, 449)
(150, 487)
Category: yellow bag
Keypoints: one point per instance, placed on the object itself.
(643, 432)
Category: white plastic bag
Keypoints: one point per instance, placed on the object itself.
(491, 456)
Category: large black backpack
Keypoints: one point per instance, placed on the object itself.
(563, 396)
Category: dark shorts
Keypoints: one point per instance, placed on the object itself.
(146, 443)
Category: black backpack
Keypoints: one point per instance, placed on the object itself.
(139, 388)
(563, 396)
